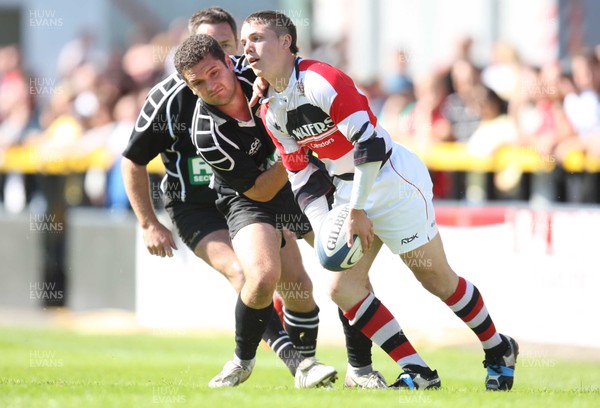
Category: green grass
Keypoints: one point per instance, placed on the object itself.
(55, 368)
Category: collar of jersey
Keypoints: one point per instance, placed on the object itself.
(284, 95)
(217, 116)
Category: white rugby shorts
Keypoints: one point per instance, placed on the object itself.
(400, 203)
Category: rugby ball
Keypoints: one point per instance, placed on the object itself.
(330, 242)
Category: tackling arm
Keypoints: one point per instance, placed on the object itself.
(268, 183)
(308, 181)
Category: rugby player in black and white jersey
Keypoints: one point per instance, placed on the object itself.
(256, 199)
(163, 127)
(312, 106)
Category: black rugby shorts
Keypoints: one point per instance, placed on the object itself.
(194, 221)
(281, 212)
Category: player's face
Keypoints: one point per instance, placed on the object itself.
(212, 80)
(264, 50)
(223, 34)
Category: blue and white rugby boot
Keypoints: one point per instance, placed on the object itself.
(416, 377)
(501, 369)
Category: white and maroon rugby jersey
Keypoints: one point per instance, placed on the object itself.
(322, 111)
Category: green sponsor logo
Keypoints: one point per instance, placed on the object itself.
(200, 172)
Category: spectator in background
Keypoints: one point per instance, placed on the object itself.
(422, 125)
(178, 31)
(461, 107)
(496, 129)
(18, 119)
(463, 48)
(125, 114)
(331, 52)
(93, 108)
(503, 73)
(400, 96)
(141, 64)
(582, 108)
(104, 187)
(61, 125)
(79, 51)
(396, 107)
(539, 114)
(399, 73)
(374, 93)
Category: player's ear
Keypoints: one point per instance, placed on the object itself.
(286, 40)
(192, 89)
(228, 62)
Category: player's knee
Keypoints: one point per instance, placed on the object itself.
(438, 283)
(307, 284)
(338, 293)
(263, 282)
(301, 278)
(235, 276)
(232, 270)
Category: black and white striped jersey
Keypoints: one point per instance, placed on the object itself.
(164, 127)
(237, 151)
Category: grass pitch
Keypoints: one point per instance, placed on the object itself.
(57, 368)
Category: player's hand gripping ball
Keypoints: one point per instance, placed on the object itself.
(330, 243)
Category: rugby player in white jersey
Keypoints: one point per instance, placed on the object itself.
(311, 106)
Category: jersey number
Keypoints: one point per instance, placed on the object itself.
(200, 172)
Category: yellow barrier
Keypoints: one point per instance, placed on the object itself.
(31, 159)
(442, 157)
(456, 157)
(577, 161)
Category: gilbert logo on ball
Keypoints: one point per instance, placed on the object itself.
(330, 243)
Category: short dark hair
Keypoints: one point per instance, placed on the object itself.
(491, 96)
(211, 15)
(278, 22)
(194, 49)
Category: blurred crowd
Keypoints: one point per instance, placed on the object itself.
(92, 104)
(552, 110)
